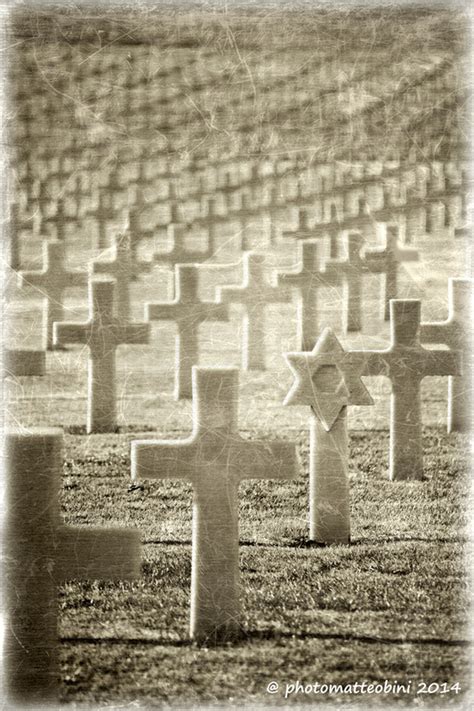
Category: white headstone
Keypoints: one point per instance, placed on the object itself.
(40, 554)
(328, 382)
(102, 333)
(124, 268)
(52, 281)
(215, 459)
(188, 311)
(405, 362)
(457, 333)
(253, 294)
(306, 280)
(180, 253)
(349, 272)
(387, 261)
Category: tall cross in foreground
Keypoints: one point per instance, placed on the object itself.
(215, 459)
(102, 333)
(188, 311)
(40, 554)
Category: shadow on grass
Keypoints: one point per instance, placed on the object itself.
(265, 635)
(304, 543)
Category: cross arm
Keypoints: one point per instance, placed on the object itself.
(215, 311)
(293, 280)
(441, 363)
(18, 363)
(108, 267)
(376, 261)
(133, 333)
(168, 257)
(274, 294)
(437, 332)
(77, 278)
(230, 294)
(36, 279)
(450, 332)
(299, 233)
(97, 554)
(162, 311)
(66, 332)
(163, 459)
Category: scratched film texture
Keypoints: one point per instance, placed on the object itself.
(223, 100)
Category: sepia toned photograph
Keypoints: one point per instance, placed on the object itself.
(237, 334)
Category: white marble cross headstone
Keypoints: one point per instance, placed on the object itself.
(52, 281)
(102, 333)
(303, 231)
(61, 219)
(215, 459)
(40, 554)
(124, 267)
(457, 333)
(188, 311)
(105, 214)
(405, 362)
(306, 280)
(349, 272)
(253, 294)
(387, 261)
(179, 252)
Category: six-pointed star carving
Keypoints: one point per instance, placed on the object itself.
(312, 384)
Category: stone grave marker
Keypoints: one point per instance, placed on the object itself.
(52, 281)
(326, 380)
(61, 220)
(105, 215)
(405, 362)
(332, 229)
(349, 272)
(188, 311)
(215, 459)
(179, 252)
(457, 333)
(40, 554)
(253, 294)
(303, 231)
(102, 333)
(124, 267)
(387, 261)
(306, 280)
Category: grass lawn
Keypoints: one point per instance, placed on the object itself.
(392, 605)
(338, 86)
